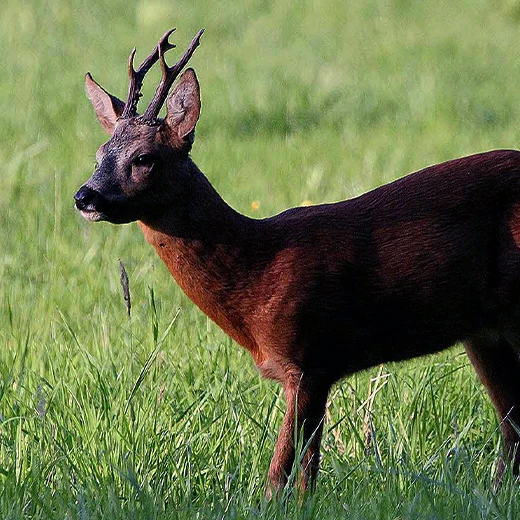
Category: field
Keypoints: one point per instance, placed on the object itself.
(161, 416)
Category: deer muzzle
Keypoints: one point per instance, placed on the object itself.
(87, 201)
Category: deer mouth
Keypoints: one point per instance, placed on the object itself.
(91, 215)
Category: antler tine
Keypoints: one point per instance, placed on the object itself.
(168, 77)
(137, 76)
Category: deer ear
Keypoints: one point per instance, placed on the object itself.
(107, 107)
(183, 106)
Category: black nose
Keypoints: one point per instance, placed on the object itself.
(84, 197)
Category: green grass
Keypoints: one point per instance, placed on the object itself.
(161, 416)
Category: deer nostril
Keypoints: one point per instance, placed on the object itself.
(84, 197)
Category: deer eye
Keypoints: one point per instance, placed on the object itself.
(145, 159)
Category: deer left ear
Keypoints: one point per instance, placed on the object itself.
(107, 107)
(183, 106)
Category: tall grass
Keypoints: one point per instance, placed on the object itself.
(161, 416)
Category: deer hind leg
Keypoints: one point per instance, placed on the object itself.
(497, 363)
(306, 400)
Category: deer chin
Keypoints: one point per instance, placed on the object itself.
(108, 214)
(92, 215)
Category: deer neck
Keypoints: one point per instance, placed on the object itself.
(209, 249)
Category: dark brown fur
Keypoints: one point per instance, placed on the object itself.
(318, 293)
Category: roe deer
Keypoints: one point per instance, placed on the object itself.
(317, 293)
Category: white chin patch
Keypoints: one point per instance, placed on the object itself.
(91, 215)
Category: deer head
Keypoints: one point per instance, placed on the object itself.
(145, 164)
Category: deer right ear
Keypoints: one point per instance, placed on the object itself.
(107, 107)
(184, 109)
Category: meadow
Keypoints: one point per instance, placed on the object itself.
(161, 416)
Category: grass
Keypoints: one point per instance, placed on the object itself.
(161, 416)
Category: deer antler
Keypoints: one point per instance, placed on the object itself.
(168, 76)
(137, 76)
